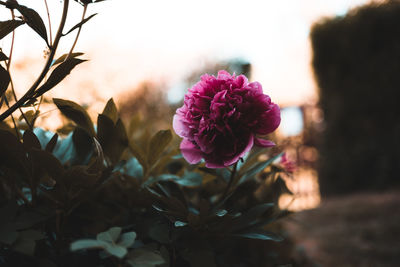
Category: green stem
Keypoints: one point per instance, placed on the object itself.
(231, 179)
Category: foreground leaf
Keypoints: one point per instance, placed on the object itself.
(260, 234)
(63, 57)
(80, 24)
(157, 145)
(58, 74)
(8, 26)
(4, 80)
(144, 258)
(76, 113)
(34, 21)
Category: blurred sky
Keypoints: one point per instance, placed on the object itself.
(164, 40)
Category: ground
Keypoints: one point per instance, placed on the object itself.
(361, 230)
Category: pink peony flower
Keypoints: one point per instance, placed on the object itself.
(221, 118)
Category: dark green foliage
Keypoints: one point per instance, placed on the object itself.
(34, 21)
(356, 63)
(8, 26)
(80, 24)
(4, 80)
(171, 213)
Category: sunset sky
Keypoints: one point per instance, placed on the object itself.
(130, 41)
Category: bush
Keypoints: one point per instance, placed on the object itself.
(356, 63)
(117, 194)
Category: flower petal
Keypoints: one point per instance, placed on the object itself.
(247, 148)
(270, 120)
(190, 152)
(263, 142)
(179, 127)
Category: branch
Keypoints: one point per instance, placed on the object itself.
(46, 68)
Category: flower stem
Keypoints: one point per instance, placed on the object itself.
(231, 179)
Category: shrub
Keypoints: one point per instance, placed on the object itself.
(115, 194)
(356, 63)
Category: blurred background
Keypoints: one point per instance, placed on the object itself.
(332, 66)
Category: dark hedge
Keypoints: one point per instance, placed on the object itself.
(356, 61)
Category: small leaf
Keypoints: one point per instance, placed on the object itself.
(80, 23)
(127, 239)
(86, 244)
(190, 179)
(4, 80)
(221, 213)
(157, 145)
(139, 154)
(111, 235)
(179, 224)
(110, 110)
(58, 74)
(115, 250)
(30, 140)
(63, 57)
(34, 21)
(76, 113)
(8, 26)
(52, 143)
(260, 234)
(144, 258)
(257, 168)
(3, 57)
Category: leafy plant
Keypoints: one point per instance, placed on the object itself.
(118, 187)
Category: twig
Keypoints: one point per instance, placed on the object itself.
(48, 17)
(78, 33)
(46, 68)
(9, 72)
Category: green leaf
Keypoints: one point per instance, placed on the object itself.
(115, 250)
(110, 110)
(34, 21)
(80, 23)
(86, 244)
(52, 143)
(58, 74)
(49, 163)
(139, 154)
(76, 113)
(8, 26)
(144, 258)
(157, 145)
(63, 57)
(112, 137)
(260, 234)
(3, 57)
(257, 168)
(30, 140)
(127, 239)
(179, 224)
(111, 235)
(4, 80)
(252, 216)
(190, 179)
